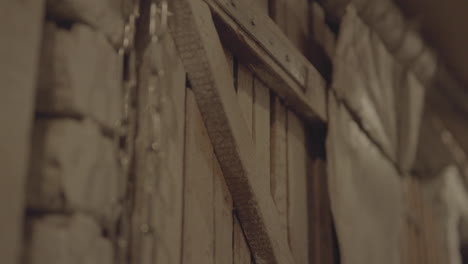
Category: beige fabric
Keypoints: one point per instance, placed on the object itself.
(365, 192)
(383, 95)
(447, 196)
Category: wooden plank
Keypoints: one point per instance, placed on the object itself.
(198, 236)
(20, 31)
(261, 131)
(264, 31)
(297, 189)
(322, 245)
(157, 237)
(320, 31)
(321, 41)
(259, 43)
(278, 150)
(223, 218)
(208, 72)
(263, 6)
(169, 202)
(240, 247)
(245, 94)
(297, 22)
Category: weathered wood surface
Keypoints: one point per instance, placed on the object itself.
(162, 172)
(198, 236)
(240, 247)
(209, 75)
(261, 130)
(224, 225)
(298, 220)
(20, 31)
(274, 59)
(245, 90)
(279, 171)
(103, 15)
(320, 42)
(322, 244)
(170, 201)
(319, 30)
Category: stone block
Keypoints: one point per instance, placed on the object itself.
(59, 239)
(103, 15)
(73, 167)
(80, 74)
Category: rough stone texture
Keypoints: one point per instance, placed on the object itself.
(103, 15)
(80, 74)
(385, 97)
(73, 167)
(365, 193)
(59, 239)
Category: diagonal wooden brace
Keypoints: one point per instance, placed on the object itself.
(203, 58)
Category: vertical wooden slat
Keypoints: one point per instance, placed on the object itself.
(278, 159)
(245, 94)
(240, 248)
(278, 13)
(169, 206)
(245, 98)
(297, 189)
(321, 237)
(263, 6)
(20, 31)
(198, 229)
(223, 218)
(297, 23)
(261, 131)
(291, 17)
(261, 121)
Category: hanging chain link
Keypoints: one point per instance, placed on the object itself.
(155, 96)
(125, 127)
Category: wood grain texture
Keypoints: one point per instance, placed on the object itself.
(169, 198)
(261, 131)
(245, 81)
(209, 75)
(278, 159)
(260, 44)
(298, 222)
(198, 236)
(19, 52)
(159, 157)
(321, 236)
(240, 247)
(223, 218)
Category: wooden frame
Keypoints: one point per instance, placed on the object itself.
(204, 60)
(261, 44)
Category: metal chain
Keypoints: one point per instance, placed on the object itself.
(155, 96)
(125, 127)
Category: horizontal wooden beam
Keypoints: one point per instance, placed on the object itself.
(259, 43)
(204, 60)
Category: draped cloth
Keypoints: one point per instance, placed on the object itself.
(375, 109)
